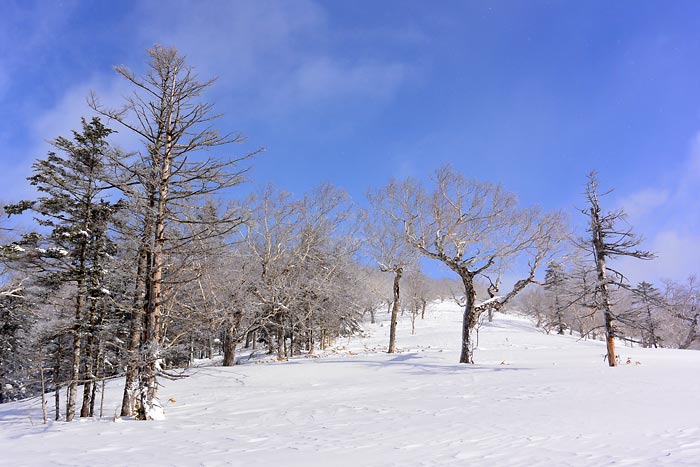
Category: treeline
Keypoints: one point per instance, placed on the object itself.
(141, 263)
(648, 316)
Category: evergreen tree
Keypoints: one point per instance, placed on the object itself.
(647, 300)
(73, 250)
(555, 283)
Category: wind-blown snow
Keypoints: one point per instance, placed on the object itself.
(532, 400)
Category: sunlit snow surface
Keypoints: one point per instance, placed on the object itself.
(531, 400)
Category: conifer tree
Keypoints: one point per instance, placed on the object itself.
(555, 279)
(647, 299)
(73, 254)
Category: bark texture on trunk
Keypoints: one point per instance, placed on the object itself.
(469, 319)
(229, 346)
(72, 391)
(136, 329)
(692, 332)
(603, 293)
(398, 272)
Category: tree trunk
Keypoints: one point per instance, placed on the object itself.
(148, 385)
(135, 333)
(43, 392)
(691, 332)
(469, 319)
(72, 391)
(93, 395)
(602, 287)
(560, 320)
(311, 342)
(102, 393)
(281, 342)
(229, 346)
(248, 336)
(395, 310)
(652, 330)
(89, 377)
(609, 319)
(422, 312)
(56, 378)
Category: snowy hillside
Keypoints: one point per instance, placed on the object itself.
(531, 400)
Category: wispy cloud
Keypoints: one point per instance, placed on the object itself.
(275, 58)
(668, 217)
(643, 203)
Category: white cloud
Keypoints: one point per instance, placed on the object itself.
(324, 81)
(669, 218)
(65, 115)
(277, 57)
(678, 256)
(644, 202)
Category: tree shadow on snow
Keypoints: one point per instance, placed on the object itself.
(415, 363)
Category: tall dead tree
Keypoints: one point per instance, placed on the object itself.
(476, 229)
(168, 177)
(608, 240)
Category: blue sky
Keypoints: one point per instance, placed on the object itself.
(530, 94)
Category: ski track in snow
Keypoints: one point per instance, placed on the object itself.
(531, 400)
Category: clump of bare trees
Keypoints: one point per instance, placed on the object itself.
(139, 265)
(477, 230)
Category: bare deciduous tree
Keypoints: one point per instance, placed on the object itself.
(386, 244)
(169, 178)
(475, 229)
(684, 303)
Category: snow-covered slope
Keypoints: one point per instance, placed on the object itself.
(532, 400)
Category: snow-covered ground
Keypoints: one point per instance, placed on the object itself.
(531, 400)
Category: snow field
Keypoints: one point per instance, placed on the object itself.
(531, 400)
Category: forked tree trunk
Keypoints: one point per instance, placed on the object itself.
(395, 310)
